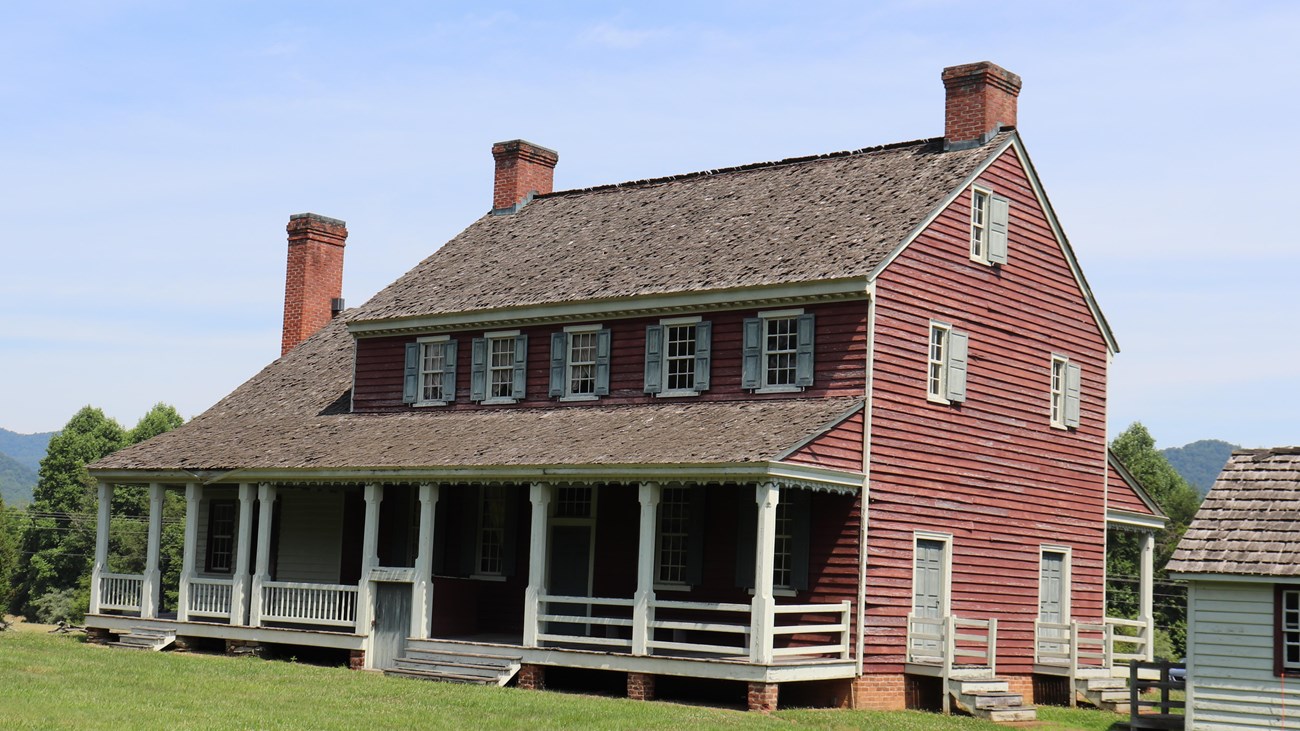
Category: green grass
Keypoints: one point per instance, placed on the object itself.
(56, 682)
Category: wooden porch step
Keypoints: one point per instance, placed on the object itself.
(456, 667)
(445, 666)
(443, 677)
(145, 638)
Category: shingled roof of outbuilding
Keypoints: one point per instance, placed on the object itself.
(1250, 521)
(834, 216)
(294, 416)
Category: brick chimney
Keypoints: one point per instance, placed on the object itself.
(981, 98)
(313, 281)
(523, 169)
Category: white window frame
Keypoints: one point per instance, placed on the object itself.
(1056, 391)
(766, 318)
(667, 323)
(1288, 631)
(659, 583)
(424, 343)
(489, 340)
(571, 330)
(783, 549)
(481, 528)
(936, 390)
(979, 223)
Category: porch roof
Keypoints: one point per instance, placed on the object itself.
(294, 416)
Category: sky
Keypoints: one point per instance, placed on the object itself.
(151, 153)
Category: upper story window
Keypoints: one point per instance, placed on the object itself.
(946, 375)
(1065, 387)
(580, 363)
(678, 356)
(989, 216)
(498, 372)
(430, 376)
(778, 351)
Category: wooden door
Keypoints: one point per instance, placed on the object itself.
(570, 574)
(1052, 600)
(392, 622)
(929, 589)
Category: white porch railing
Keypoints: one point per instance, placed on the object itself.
(1076, 645)
(331, 604)
(952, 640)
(1131, 635)
(694, 628)
(122, 592)
(210, 597)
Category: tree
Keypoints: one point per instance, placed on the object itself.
(8, 551)
(1136, 449)
(59, 537)
(161, 418)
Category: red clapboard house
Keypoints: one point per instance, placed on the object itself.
(830, 427)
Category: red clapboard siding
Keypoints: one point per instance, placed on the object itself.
(839, 447)
(990, 471)
(839, 367)
(1121, 496)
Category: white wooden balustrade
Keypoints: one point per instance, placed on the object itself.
(554, 617)
(1077, 645)
(120, 591)
(330, 604)
(210, 597)
(730, 620)
(952, 640)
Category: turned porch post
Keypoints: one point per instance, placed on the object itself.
(762, 617)
(101, 543)
(151, 584)
(642, 609)
(240, 584)
(422, 590)
(266, 513)
(369, 555)
(540, 495)
(193, 496)
(1146, 592)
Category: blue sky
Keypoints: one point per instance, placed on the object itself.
(151, 153)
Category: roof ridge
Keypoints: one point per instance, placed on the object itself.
(748, 166)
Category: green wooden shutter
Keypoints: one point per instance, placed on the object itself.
(746, 537)
(695, 544)
(800, 512)
(521, 367)
(559, 354)
(478, 370)
(958, 351)
(449, 370)
(411, 374)
(751, 372)
(1073, 387)
(703, 354)
(603, 338)
(803, 374)
(999, 220)
(654, 359)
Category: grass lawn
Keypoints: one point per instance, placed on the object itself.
(57, 682)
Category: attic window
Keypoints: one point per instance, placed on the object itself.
(989, 216)
(1065, 389)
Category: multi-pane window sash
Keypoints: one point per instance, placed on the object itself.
(989, 223)
(783, 551)
(432, 365)
(501, 367)
(1290, 629)
(491, 531)
(221, 536)
(946, 364)
(679, 357)
(674, 535)
(979, 231)
(780, 350)
(1065, 390)
(573, 502)
(582, 364)
(430, 374)
(1058, 391)
(938, 361)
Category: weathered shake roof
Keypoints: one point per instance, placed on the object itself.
(801, 220)
(1250, 521)
(293, 415)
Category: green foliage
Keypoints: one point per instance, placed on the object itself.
(8, 550)
(1200, 462)
(161, 418)
(59, 605)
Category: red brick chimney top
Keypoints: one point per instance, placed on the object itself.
(522, 170)
(980, 100)
(313, 282)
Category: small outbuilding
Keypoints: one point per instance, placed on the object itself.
(1241, 558)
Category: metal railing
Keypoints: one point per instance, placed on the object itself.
(122, 592)
(331, 604)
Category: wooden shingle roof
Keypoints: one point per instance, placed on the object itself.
(826, 217)
(1249, 523)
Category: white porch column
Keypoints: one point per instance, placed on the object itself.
(266, 512)
(422, 599)
(1146, 591)
(369, 555)
(762, 618)
(152, 575)
(239, 587)
(540, 495)
(101, 543)
(193, 496)
(642, 610)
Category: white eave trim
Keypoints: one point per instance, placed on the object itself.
(1242, 578)
(1135, 520)
(638, 306)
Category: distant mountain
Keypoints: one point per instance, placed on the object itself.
(16, 481)
(1200, 462)
(26, 449)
